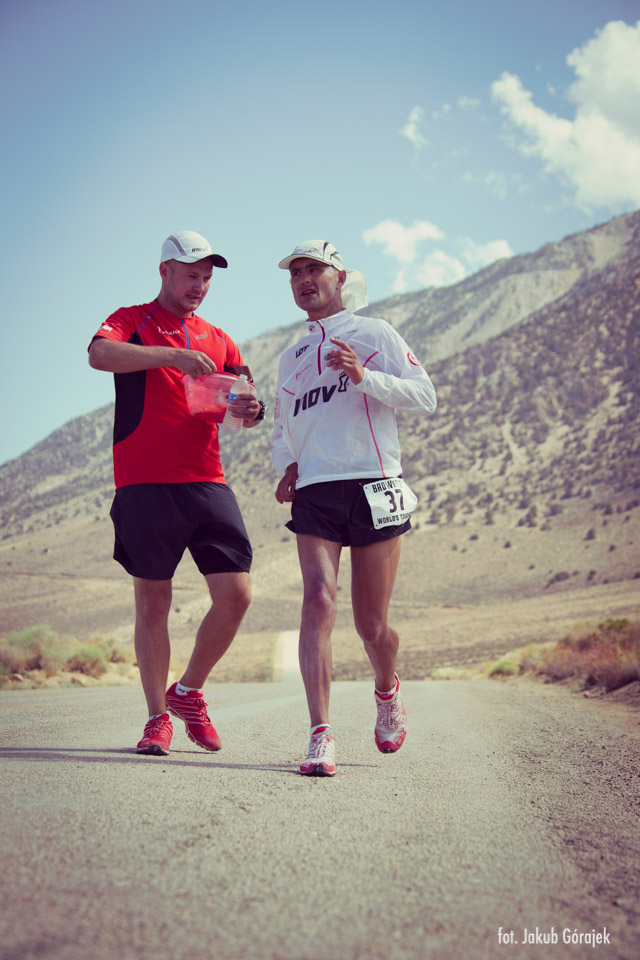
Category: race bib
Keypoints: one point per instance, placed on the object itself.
(392, 501)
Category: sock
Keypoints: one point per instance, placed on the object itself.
(156, 716)
(388, 694)
(182, 691)
(320, 726)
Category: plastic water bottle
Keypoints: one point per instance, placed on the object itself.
(240, 388)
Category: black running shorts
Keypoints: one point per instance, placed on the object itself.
(338, 510)
(155, 522)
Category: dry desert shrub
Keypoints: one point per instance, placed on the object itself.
(608, 657)
(39, 648)
(90, 659)
(524, 660)
(36, 648)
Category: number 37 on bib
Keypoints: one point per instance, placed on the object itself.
(392, 501)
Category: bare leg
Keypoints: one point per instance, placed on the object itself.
(230, 598)
(319, 562)
(230, 595)
(373, 574)
(151, 639)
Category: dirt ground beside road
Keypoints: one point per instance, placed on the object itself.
(461, 595)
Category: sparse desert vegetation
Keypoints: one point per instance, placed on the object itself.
(607, 657)
(527, 478)
(37, 654)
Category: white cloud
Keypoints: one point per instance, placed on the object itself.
(598, 152)
(439, 267)
(497, 183)
(468, 103)
(442, 112)
(400, 282)
(400, 242)
(478, 255)
(411, 129)
(608, 72)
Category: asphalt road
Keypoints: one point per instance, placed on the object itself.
(511, 808)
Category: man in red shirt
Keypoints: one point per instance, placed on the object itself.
(170, 488)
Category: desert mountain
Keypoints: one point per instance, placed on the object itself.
(535, 361)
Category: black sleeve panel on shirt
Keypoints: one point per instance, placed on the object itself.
(130, 393)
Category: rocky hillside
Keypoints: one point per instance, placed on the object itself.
(449, 320)
(535, 363)
(527, 475)
(442, 321)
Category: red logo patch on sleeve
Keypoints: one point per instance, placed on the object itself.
(412, 359)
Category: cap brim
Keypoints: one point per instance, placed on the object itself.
(218, 261)
(286, 263)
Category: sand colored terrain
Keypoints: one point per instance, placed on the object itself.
(465, 593)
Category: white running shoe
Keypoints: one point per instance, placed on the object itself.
(321, 759)
(391, 726)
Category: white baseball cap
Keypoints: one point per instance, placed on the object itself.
(189, 247)
(316, 250)
(354, 289)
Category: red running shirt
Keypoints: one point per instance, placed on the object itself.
(155, 438)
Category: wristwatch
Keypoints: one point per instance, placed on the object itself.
(263, 409)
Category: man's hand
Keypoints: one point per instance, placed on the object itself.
(245, 408)
(286, 489)
(345, 358)
(193, 363)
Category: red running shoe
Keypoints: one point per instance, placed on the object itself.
(156, 738)
(391, 726)
(192, 709)
(321, 759)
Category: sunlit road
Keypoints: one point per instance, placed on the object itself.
(510, 808)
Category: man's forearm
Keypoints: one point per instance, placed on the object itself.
(115, 357)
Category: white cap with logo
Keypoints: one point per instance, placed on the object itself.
(354, 289)
(189, 247)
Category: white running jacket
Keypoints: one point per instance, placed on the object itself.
(337, 430)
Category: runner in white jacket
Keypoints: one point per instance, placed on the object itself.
(318, 407)
(335, 441)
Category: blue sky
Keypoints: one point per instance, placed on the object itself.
(423, 139)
